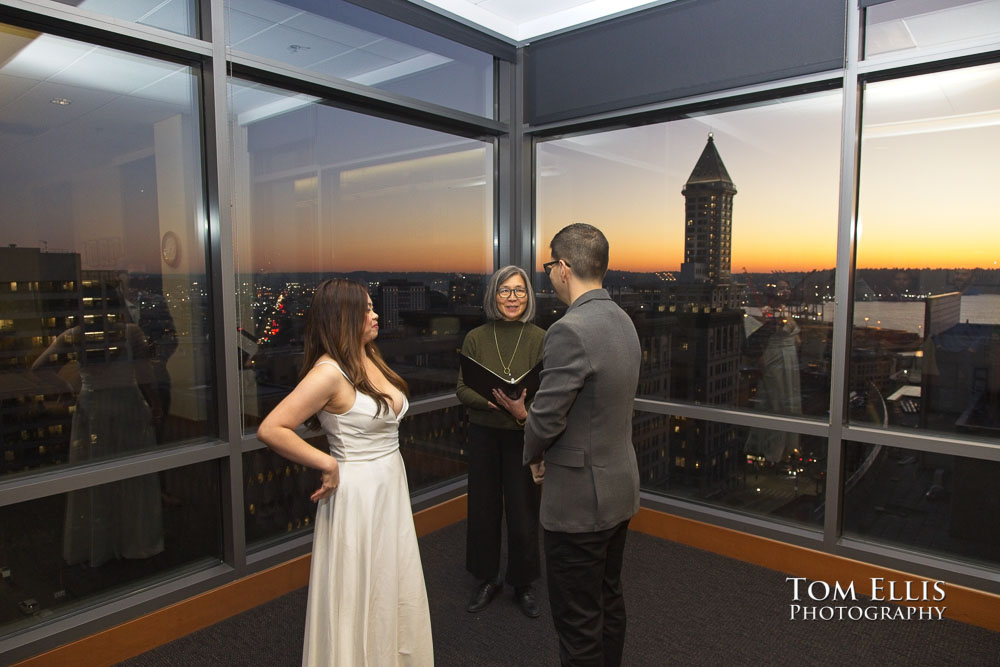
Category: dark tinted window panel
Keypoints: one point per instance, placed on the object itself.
(63, 553)
(753, 471)
(935, 503)
(678, 50)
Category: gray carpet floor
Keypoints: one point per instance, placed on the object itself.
(686, 607)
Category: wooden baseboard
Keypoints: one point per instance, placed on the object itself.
(441, 515)
(180, 619)
(963, 604)
(165, 625)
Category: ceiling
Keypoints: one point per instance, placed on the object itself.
(524, 20)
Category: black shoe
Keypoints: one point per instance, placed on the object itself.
(484, 594)
(525, 598)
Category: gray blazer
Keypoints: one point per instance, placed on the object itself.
(581, 419)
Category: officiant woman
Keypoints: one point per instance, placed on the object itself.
(509, 345)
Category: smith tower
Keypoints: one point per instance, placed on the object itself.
(708, 235)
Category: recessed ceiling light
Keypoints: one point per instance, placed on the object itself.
(61, 101)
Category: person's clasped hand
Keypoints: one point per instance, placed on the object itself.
(330, 479)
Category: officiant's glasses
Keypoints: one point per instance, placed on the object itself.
(505, 292)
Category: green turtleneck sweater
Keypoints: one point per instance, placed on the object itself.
(480, 345)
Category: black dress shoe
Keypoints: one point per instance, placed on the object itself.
(525, 598)
(482, 597)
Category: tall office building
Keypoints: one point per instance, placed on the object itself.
(708, 234)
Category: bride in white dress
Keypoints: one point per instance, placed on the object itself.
(367, 601)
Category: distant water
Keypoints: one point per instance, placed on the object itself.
(909, 315)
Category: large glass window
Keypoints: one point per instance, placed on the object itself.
(937, 503)
(906, 26)
(926, 336)
(276, 494)
(105, 342)
(748, 470)
(323, 192)
(180, 16)
(723, 241)
(341, 39)
(62, 553)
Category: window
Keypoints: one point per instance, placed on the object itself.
(180, 16)
(101, 188)
(64, 553)
(749, 470)
(906, 26)
(323, 192)
(767, 294)
(936, 503)
(341, 39)
(927, 301)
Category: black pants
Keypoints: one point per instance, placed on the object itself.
(498, 482)
(585, 593)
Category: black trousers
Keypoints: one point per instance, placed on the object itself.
(498, 483)
(585, 594)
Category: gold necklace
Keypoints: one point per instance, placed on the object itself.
(506, 367)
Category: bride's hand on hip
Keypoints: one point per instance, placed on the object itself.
(330, 478)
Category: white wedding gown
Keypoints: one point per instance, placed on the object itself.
(367, 601)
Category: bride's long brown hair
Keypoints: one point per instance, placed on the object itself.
(334, 326)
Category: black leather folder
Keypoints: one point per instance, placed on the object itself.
(484, 381)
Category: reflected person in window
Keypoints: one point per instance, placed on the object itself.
(116, 411)
(367, 602)
(509, 345)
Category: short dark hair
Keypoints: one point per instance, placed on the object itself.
(584, 248)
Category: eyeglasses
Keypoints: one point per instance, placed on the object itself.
(505, 292)
(548, 265)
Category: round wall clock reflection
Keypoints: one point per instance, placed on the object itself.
(170, 249)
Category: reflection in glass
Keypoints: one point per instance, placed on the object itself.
(276, 491)
(341, 39)
(914, 25)
(276, 494)
(323, 192)
(178, 16)
(926, 337)
(61, 552)
(936, 503)
(432, 445)
(723, 238)
(104, 334)
(750, 470)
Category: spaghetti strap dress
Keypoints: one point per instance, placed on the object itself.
(367, 603)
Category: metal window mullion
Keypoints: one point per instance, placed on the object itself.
(506, 229)
(219, 149)
(932, 58)
(730, 99)
(923, 441)
(525, 174)
(933, 566)
(722, 415)
(82, 24)
(364, 99)
(850, 156)
(64, 480)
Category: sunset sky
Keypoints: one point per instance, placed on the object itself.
(324, 189)
(928, 170)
